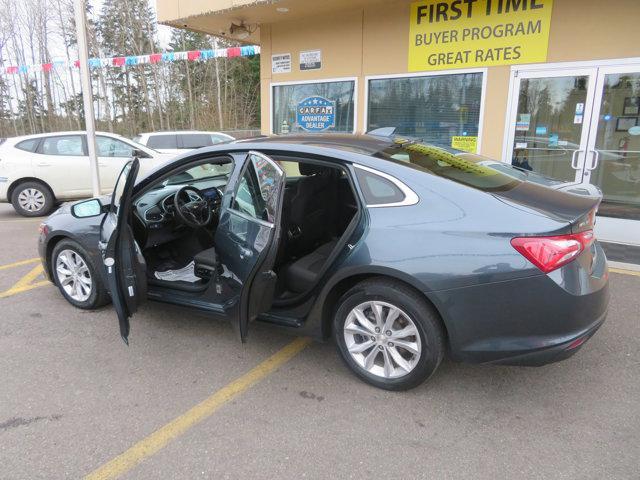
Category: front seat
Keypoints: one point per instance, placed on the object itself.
(309, 209)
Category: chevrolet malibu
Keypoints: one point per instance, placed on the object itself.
(400, 250)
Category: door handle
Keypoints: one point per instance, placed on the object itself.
(596, 159)
(574, 156)
(100, 164)
(43, 164)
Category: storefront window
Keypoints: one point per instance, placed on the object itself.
(314, 107)
(438, 109)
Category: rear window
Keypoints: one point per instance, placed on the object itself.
(464, 168)
(195, 140)
(163, 141)
(378, 190)
(27, 145)
(68, 145)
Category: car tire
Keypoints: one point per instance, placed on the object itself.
(69, 256)
(411, 348)
(32, 199)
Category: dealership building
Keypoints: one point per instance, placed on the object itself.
(552, 86)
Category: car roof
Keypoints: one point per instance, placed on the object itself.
(363, 144)
(59, 134)
(180, 132)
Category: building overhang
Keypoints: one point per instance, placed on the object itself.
(223, 17)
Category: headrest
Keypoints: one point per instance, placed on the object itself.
(308, 169)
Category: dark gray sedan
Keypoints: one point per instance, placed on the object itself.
(401, 251)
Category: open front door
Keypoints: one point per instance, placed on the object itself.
(247, 239)
(126, 269)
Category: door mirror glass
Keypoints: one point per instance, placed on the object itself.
(86, 209)
(136, 152)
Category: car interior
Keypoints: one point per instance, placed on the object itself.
(175, 223)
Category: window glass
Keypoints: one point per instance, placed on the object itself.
(465, 168)
(292, 169)
(162, 141)
(201, 172)
(119, 189)
(70, 145)
(376, 189)
(28, 145)
(110, 147)
(195, 140)
(433, 108)
(294, 110)
(257, 191)
(219, 138)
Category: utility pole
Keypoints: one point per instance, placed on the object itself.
(87, 95)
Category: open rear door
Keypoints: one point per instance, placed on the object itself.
(247, 239)
(125, 265)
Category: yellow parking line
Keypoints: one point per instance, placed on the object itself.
(161, 437)
(26, 283)
(18, 220)
(624, 272)
(21, 262)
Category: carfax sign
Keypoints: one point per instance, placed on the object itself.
(316, 114)
(448, 34)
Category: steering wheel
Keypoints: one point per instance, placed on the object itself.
(191, 206)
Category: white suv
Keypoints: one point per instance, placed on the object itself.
(39, 171)
(181, 141)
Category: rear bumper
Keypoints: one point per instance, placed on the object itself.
(562, 351)
(528, 321)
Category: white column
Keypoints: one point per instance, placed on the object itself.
(87, 95)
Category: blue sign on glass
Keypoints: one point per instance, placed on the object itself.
(316, 114)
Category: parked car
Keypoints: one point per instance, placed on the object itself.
(182, 140)
(39, 171)
(399, 250)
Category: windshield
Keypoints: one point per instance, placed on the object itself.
(461, 167)
(199, 173)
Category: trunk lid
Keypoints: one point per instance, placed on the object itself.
(575, 206)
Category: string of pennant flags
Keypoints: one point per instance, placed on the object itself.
(153, 58)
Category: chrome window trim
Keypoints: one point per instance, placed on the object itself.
(410, 197)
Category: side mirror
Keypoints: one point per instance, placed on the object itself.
(136, 152)
(86, 209)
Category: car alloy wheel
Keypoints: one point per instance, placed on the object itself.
(382, 339)
(31, 199)
(74, 275)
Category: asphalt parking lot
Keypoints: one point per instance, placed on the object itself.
(178, 403)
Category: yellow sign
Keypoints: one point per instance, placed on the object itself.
(448, 34)
(467, 144)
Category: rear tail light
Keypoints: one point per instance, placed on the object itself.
(550, 253)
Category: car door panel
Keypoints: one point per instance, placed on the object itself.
(246, 240)
(113, 155)
(125, 265)
(62, 162)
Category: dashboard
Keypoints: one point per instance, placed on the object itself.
(156, 214)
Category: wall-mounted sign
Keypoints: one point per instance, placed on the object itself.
(311, 60)
(281, 63)
(316, 114)
(447, 34)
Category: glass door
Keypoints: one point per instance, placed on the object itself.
(550, 121)
(613, 152)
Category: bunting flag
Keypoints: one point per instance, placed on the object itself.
(131, 60)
